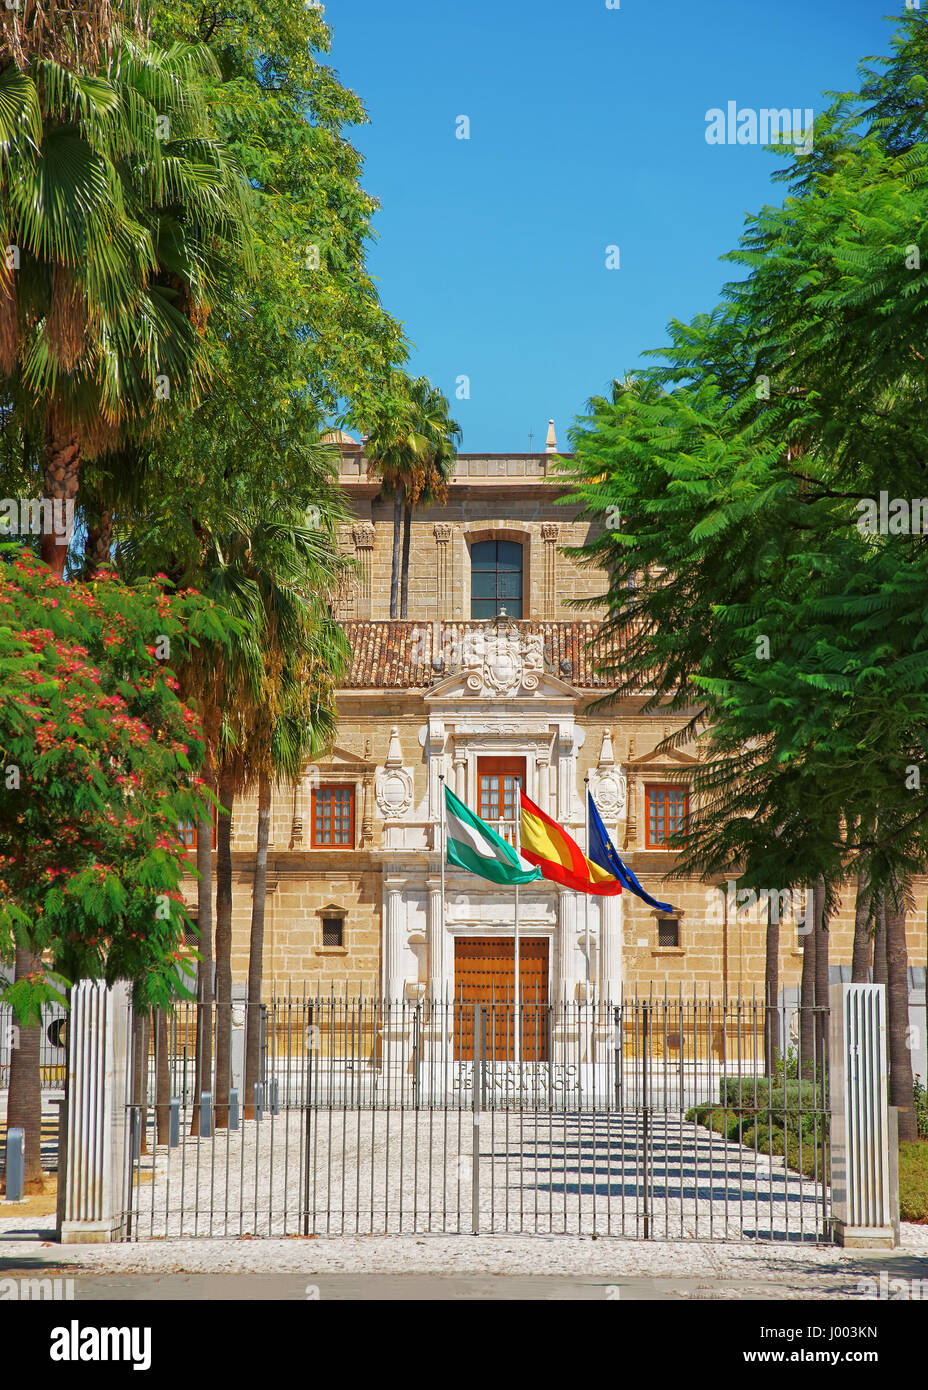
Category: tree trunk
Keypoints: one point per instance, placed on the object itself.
(821, 979)
(162, 1079)
(256, 950)
(140, 1037)
(860, 962)
(98, 548)
(772, 987)
(24, 1102)
(397, 545)
(62, 474)
(807, 994)
(879, 944)
(224, 948)
(901, 1092)
(404, 582)
(203, 1066)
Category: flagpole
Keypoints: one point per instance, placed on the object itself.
(586, 896)
(442, 823)
(517, 1032)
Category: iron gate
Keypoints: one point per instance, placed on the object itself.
(648, 1118)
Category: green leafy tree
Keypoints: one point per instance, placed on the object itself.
(733, 482)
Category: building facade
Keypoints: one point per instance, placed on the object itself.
(487, 684)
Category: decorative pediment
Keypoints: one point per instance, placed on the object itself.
(668, 759)
(341, 760)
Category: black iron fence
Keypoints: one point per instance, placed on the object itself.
(643, 1117)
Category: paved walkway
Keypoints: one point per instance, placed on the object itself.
(546, 1267)
(380, 1172)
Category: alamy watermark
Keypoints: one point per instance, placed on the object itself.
(767, 125)
(33, 516)
(898, 516)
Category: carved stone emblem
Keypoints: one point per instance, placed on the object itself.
(394, 784)
(607, 781)
(503, 663)
(610, 791)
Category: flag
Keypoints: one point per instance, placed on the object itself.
(604, 853)
(560, 858)
(471, 844)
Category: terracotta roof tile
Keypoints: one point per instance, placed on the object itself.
(398, 654)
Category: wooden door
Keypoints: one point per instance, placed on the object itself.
(484, 998)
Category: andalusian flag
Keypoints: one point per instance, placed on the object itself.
(559, 857)
(472, 845)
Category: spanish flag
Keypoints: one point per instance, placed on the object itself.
(559, 857)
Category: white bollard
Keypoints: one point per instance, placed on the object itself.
(865, 1198)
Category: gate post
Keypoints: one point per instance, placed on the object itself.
(94, 1175)
(865, 1205)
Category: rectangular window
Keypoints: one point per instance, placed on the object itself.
(333, 816)
(668, 931)
(333, 931)
(667, 812)
(187, 832)
(499, 782)
(496, 578)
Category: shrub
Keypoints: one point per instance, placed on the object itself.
(921, 1108)
(913, 1181)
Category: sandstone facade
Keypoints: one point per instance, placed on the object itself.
(437, 694)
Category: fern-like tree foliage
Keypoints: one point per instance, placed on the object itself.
(737, 484)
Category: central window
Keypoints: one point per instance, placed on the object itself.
(499, 780)
(495, 579)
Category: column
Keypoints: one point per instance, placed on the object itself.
(393, 936)
(610, 947)
(436, 930)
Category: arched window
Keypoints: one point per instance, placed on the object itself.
(495, 579)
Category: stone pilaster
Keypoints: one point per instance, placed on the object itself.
(443, 569)
(363, 536)
(549, 534)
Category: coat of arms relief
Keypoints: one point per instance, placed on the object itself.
(502, 662)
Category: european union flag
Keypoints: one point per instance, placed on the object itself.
(603, 852)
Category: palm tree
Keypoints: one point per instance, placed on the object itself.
(429, 478)
(273, 575)
(303, 727)
(410, 448)
(123, 213)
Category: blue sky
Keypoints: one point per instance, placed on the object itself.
(587, 130)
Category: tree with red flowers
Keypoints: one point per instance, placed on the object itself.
(98, 765)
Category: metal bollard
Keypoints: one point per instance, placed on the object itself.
(15, 1165)
(259, 1101)
(174, 1128)
(233, 1107)
(275, 1102)
(206, 1114)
